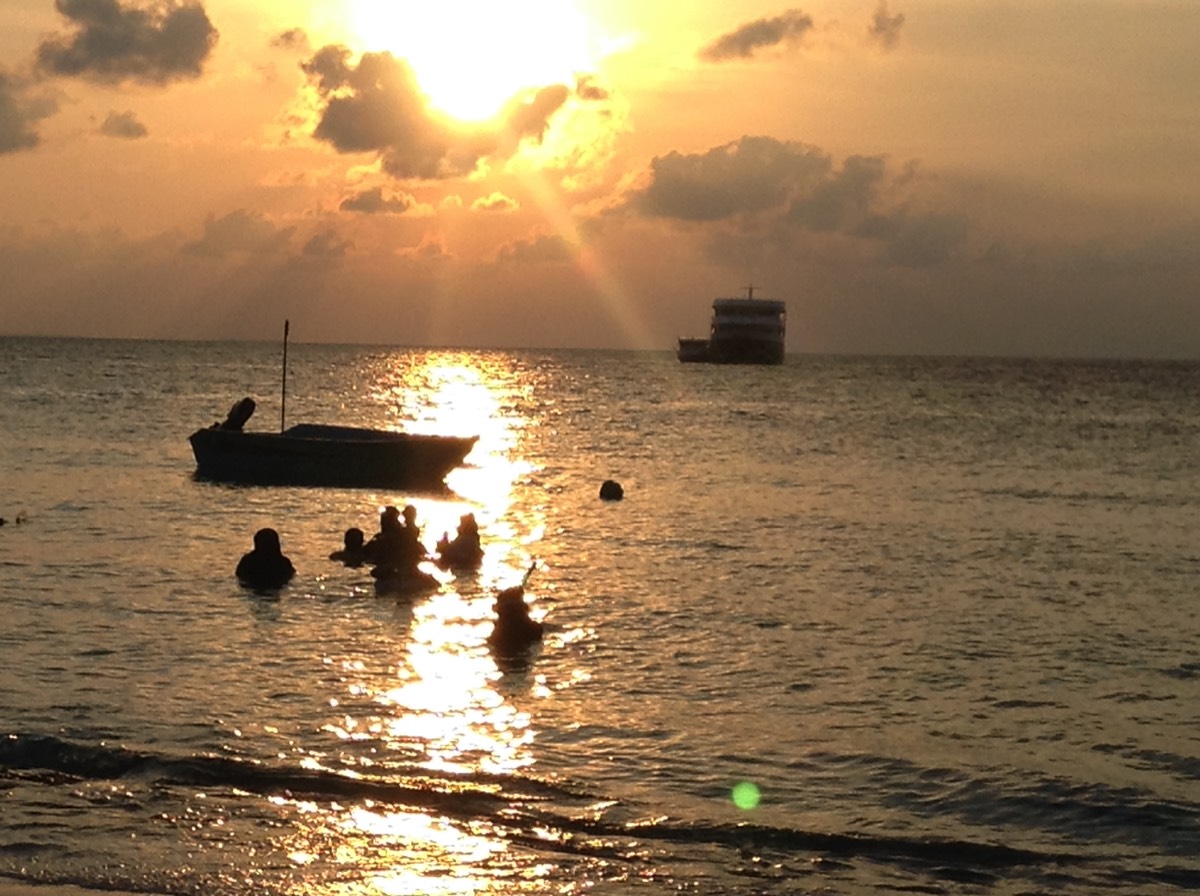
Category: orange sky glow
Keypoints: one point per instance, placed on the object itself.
(911, 176)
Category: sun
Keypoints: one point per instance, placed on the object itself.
(470, 57)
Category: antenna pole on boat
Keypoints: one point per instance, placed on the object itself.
(283, 389)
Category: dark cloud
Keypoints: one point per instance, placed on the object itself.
(373, 202)
(885, 28)
(921, 241)
(788, 189)
(326, 244)
(749, 175)
(530, 117)
(19, 112)
(742, 43)
(292, 39)
(841, 201)
(124, 125)
(375, 105)
(239, 232)
(112, 43)
(586, 88)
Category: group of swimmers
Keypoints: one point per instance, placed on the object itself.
(394, 553)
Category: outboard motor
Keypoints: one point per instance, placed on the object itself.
(239, 414)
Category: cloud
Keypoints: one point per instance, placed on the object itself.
(843, 199)
(375, 105)
(749, 175)
(885, 28)
(586, 88)
(915, 240)
(292, 39)
(785, 190)
(238, 232)
(18, 114)
(113, 43)
(742, 43)
(496, 202)
(431, 248)
(373, 202)
(326, 244)
(540, 250)
(529, 117)
(124, 125)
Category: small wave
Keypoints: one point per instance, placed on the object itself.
(1184, 671)
(480, 795)
(1159, 760)
(533, 812)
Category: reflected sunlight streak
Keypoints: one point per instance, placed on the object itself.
(461, 393)
(437, 704)
(447, 701)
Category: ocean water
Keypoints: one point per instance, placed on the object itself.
(859, 626)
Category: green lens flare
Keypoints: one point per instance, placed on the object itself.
(746, 795)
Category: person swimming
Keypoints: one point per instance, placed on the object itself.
(265, 568)
(514, 630)
(399, 554)
(383, 543)
(464, 550)
(398, 542)
(353, 552)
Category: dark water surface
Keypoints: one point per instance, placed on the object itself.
(941, 614)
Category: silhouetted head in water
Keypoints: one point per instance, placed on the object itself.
(267, 541)
(464, 551)
(389, 519)
(352, 552)
(514, 631)
(410, 515)
(265, 567)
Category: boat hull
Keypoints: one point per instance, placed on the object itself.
(315, 455)
(693, 350)
(744, 351)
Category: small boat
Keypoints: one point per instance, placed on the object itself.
(744, 331)
(323, 455)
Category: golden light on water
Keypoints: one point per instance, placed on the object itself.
(457, 393)
(397, 851)
(434, 702)
(446, 699)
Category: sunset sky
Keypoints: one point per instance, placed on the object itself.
(913, 176)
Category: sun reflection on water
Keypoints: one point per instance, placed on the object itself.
(459, 393)
(436, 702)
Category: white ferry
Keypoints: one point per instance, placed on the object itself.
(744, 331)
